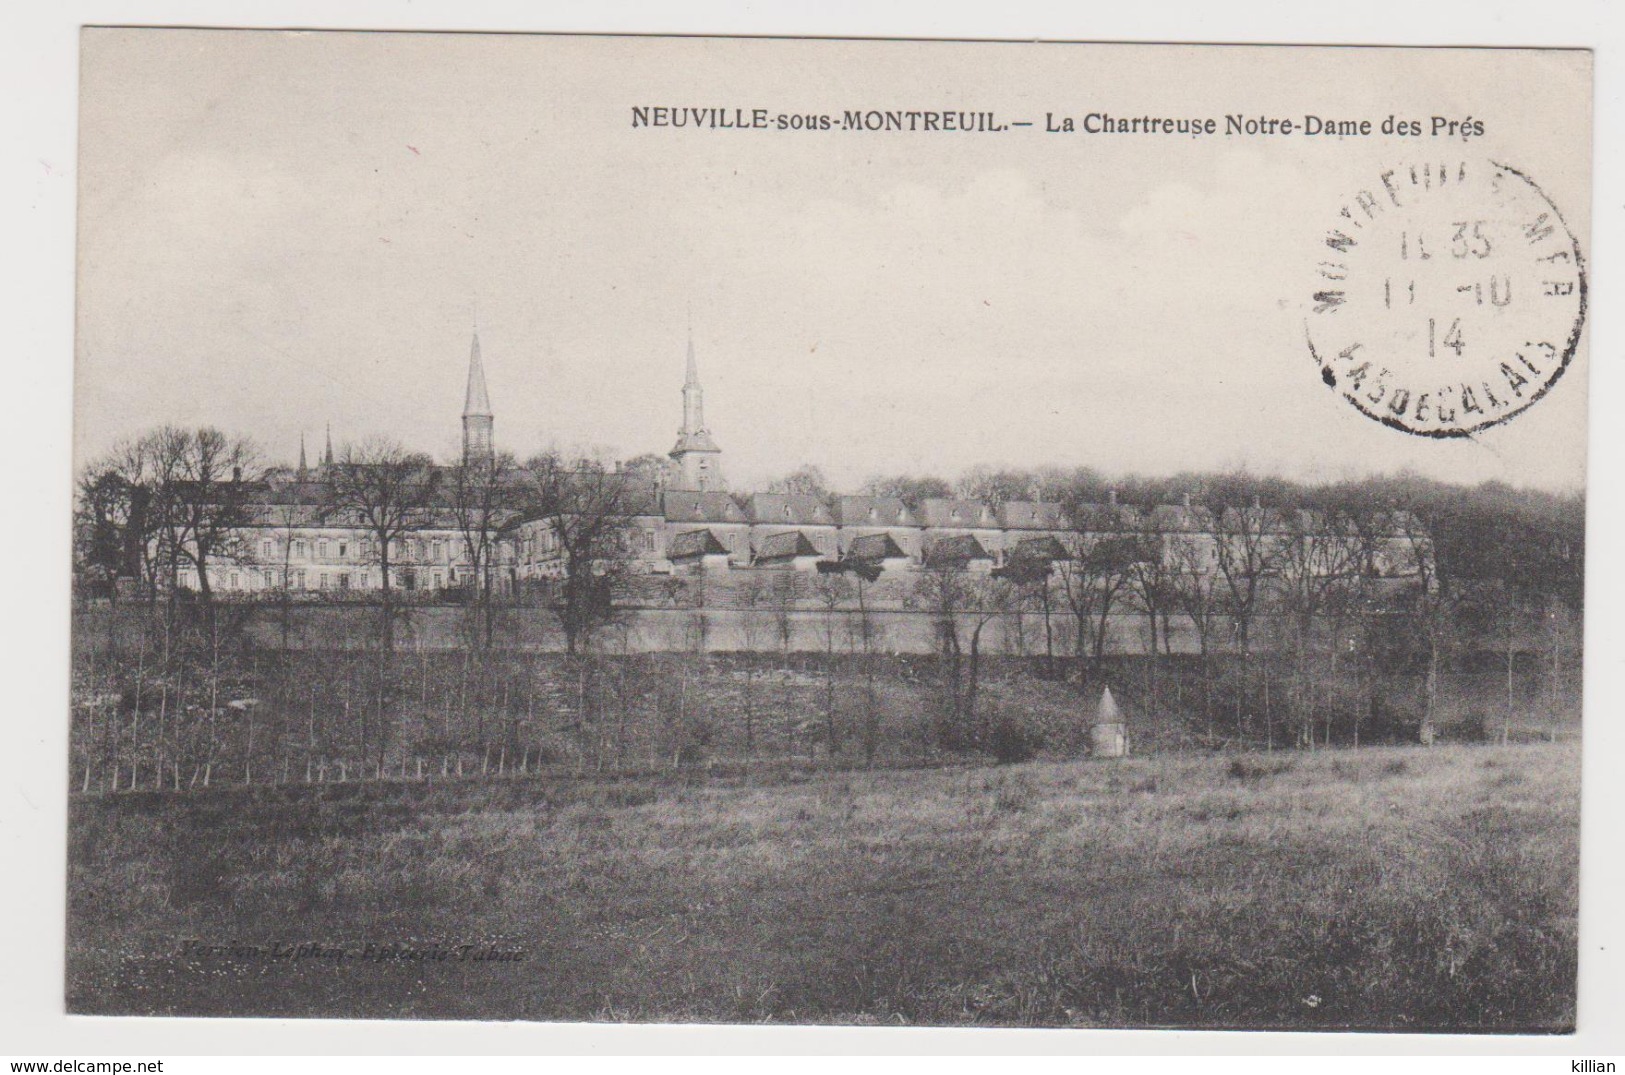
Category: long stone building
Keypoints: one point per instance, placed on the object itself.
(684, 523)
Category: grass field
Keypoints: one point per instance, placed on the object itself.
(1396, 888)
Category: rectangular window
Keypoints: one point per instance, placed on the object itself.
(321, 549)
(267, 549)
(235, 583)
(439, 551)
(299, 580)
(344, 549)
(344, 581)
(439, 580)
(323, 582)
(299, 549)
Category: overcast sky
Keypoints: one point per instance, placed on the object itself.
(280, 230)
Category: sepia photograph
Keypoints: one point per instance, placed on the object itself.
(637, 529)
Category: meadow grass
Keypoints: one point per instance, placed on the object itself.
(1394, 888)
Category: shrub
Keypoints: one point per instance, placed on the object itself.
(1010, 742)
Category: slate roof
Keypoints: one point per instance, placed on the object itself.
(1031, 515)
(692, 544)
(785, 546)
(1039, 548)
(873, 511)
(875, 547)
(954, 549)
(940, 511)
(790, 510)
(682, 506)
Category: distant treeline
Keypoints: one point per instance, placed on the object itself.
(1526, 537)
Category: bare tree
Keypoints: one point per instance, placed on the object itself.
(389, 493)
(1432, 606)
(756, 629)
(483, 494)
(832, 590)
(959, 601)
(866, 634)
(108, 543)
(1194, 581)
(1093, 574)
(1151, 588)
(909, 488)
(587, 507)
(1251, 543)
(1321, 564)
(210, 504)
(803, 481)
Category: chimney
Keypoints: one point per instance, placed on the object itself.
(1111, 497)
(1185, 499)
(236, 474)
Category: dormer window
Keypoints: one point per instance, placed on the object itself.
(787, 511)
(954, 515)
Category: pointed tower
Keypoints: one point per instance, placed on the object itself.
(304, 469)
(327, 456)
(1109, 735)
(477, 418)
(696, 461)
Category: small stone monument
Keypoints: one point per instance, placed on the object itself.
(1109, 736)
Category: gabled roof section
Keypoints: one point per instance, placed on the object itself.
(875, 547)
(790, 510)
(786, 546)
(958, 549)
(693, 544)
(874, 511)
(1039, 549)
(940, 511)
(686, 506)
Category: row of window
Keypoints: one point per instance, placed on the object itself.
(436, 550)
(252, 579)
(542, 544)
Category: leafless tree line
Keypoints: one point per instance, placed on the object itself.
(1466, 573)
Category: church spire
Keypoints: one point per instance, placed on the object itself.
(327, 456)
(476, 403)
(693, 395)
(696, 459)
(477, 419)
(303, 468)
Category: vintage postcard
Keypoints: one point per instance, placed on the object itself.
(576, 528)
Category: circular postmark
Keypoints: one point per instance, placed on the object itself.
(1450, 297)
